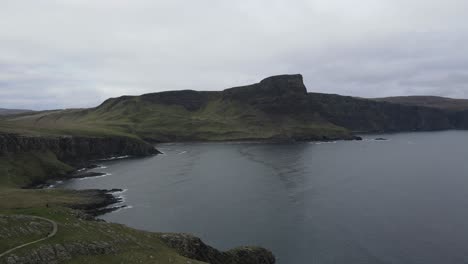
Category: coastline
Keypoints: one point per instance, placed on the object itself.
(71, 206)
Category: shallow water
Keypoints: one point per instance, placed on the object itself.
(404, 200)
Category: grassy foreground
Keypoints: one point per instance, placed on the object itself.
(94, 242)
(80, 238)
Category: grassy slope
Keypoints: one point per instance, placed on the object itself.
(55, 123)
(134, 117)
(14, 231)
(132, 246)
(217, 120)
(24, 169)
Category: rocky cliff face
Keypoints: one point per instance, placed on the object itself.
(193, 248)
(286, 95)
(76, 149)
(460, 119)
(365, 115)
(277, 95)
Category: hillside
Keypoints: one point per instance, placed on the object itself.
(271, 109)
(277, 108)
(81, 239)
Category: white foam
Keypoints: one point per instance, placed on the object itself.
(183, 152)
(117, 157)
(95, 177)
(122, 199)
(324, 142)
(122, 208)
(121, 192)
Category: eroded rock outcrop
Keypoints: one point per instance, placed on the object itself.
(192, 247)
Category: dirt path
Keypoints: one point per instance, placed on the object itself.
(54, 231)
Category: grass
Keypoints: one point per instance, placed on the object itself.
(130, 245)
(17, 231)
(24, 169)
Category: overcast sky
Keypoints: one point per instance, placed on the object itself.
(77, 53)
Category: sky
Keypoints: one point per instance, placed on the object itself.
(77, 53)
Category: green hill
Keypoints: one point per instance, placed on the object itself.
(277, 108)
(272, 109)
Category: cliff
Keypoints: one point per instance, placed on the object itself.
(74, 148)
(27, 160)
(364, 115)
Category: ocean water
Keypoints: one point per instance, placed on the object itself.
(403, 200)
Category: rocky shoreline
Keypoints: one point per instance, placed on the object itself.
(103, 201)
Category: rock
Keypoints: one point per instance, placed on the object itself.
(271, 87)
(85, 174)
(192, 247)
(100, 202)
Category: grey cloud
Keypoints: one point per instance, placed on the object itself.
(76, 53)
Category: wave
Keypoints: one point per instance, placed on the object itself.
(116, 157)
(324, 142)
(95, 177)
(120, 195)
(123, 208)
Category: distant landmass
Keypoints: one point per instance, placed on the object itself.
(277, 108)
(429, 101)
(4, 111)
